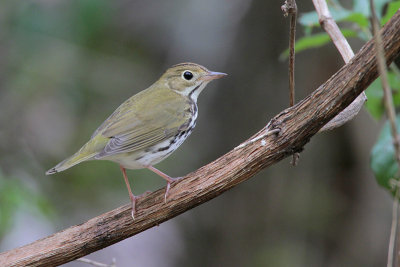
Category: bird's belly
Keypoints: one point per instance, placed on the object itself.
(152, 155)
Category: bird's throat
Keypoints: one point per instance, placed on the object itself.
(194, 93)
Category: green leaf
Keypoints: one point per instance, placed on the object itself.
(394, 82)
(374, 93)
(362, 6)
(374, 104)
(358, 18)
(311, 18)
(379, 5)
(359, 14)
(314, 41)
(383, 161)
(391, 9)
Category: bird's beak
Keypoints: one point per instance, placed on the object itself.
(212, 75)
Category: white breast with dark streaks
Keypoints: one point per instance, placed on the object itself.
(159, 152)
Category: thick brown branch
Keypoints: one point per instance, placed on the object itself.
(297, 125)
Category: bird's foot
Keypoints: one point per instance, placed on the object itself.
(169, 181)
(133, 201)
(166, 177)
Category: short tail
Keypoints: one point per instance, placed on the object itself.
(78, 157)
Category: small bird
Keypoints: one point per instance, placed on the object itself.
(149, 126)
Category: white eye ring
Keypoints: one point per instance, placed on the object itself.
(187, 75)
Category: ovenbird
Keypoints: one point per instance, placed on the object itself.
(149, 126)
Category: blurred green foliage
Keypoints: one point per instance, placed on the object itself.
(383, 158)
(356, 23)
(358, 15)
(314, 41)
(48, 51)
(374, 92)
(391, 9)
(16, 196)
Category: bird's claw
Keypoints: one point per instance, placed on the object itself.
(166, 192)
(133, 203)
(169, 186)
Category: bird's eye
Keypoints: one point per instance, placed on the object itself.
(188, 75)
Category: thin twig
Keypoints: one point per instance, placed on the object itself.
(290, 8)
(330, 26)
(96, 263)
(393, 228)
(387, 92)
(390, 111)
(293, 18)
(267, 133)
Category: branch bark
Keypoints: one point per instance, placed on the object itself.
(330, 26)
(290, 8)
(297, 125)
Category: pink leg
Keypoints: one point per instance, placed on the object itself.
(131, 196)
(166, 177)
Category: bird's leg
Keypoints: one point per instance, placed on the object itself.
(131, 195)
(168, 178)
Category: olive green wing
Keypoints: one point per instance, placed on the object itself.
(138, 127)
(121, 113)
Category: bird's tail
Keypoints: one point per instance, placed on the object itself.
(85, 153)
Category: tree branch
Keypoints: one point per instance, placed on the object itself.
(330, 26)
(290, 8)
(297, 125)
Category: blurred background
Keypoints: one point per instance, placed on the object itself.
(66, 65)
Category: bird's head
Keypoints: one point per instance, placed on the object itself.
(189, 79)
